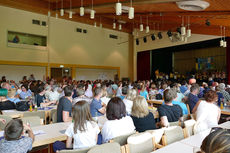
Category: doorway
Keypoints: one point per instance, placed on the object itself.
(59, 73)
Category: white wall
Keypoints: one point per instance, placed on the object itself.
(161, 43)
(66, 45)
(94, 74)
(16, 73)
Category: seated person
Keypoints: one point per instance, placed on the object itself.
(169, 112)
(217, 141)
(124, 92)
(11, 95)
(80, 93)
(41, 99)
(64, 107)
(13, 141)
(142, 118)
(118, 123)
(207, 114)
(97, 108)
(193, 98)
(132, 94)
(83, 131)
(144, 92)
(5, 104)
(26, 93)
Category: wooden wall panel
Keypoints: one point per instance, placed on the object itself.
(184, 61)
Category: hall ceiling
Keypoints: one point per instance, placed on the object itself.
(162, 14)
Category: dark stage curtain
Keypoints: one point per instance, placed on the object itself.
(143, 65)
(228, 60)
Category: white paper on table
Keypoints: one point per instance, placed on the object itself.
(8, 111)
(39, 132)
(1, 133)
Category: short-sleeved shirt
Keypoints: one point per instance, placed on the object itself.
(22, 145)
(24, 95)
(94, 107)
(63, 105)
(84, 139)
(144, 123)
(192, 100)
(144, 94)
(173, 113)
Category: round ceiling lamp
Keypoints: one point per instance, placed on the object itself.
(193, 5)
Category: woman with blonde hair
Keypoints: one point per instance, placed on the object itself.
(131, 95)
(142, 118)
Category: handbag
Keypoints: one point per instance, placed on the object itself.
(22, 106)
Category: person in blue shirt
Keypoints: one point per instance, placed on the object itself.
(97, 108)
(143, 92)
(193, 98)
(26, 93)
(11, 96)
(183, 87)
(124, 92)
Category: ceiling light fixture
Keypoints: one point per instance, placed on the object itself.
(131, 11)
(120, 27)
(183, 28)
(95, 24)
(92, 12)
(141, 25)
(147, 25)
(118, 8)
(62, 10)
(70, 10)
(221, 37)
(189, 32)
(224, 43)
(49, 14)
(114, 23)
(82, 10)
(56, 11)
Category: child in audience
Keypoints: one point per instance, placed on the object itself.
(83, 131)
(13, 141)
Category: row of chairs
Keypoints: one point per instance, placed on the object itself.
(34, 118)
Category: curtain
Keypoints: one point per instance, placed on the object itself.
(228, 60)
(143, 65)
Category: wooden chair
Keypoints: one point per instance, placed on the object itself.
(113, 147)
(53, 114)
(140, 143)
(7, 118)
(41, 114)
(85, 150)
(157, 134)
(122, 140)
(189, 125)
(32, 120)
(177, 123)
(173, 134)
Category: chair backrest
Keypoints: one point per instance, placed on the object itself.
(140, 143)
(32, 120)
(189, 124)
(172, 134)
(41, 114)
(53, 114)
(7, 118)
(157, 134)
(85, 150)
(177, 123)
(106, 148)
(122, 140)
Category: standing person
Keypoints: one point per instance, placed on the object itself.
(169, 112)
(83, 131)
(13, 141)
(97, 108)
(64, 108)
(118, 123)
(207, 114)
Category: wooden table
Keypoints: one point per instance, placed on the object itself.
(176, 147)
(18, 114)
(225, 111)
(155, 102)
